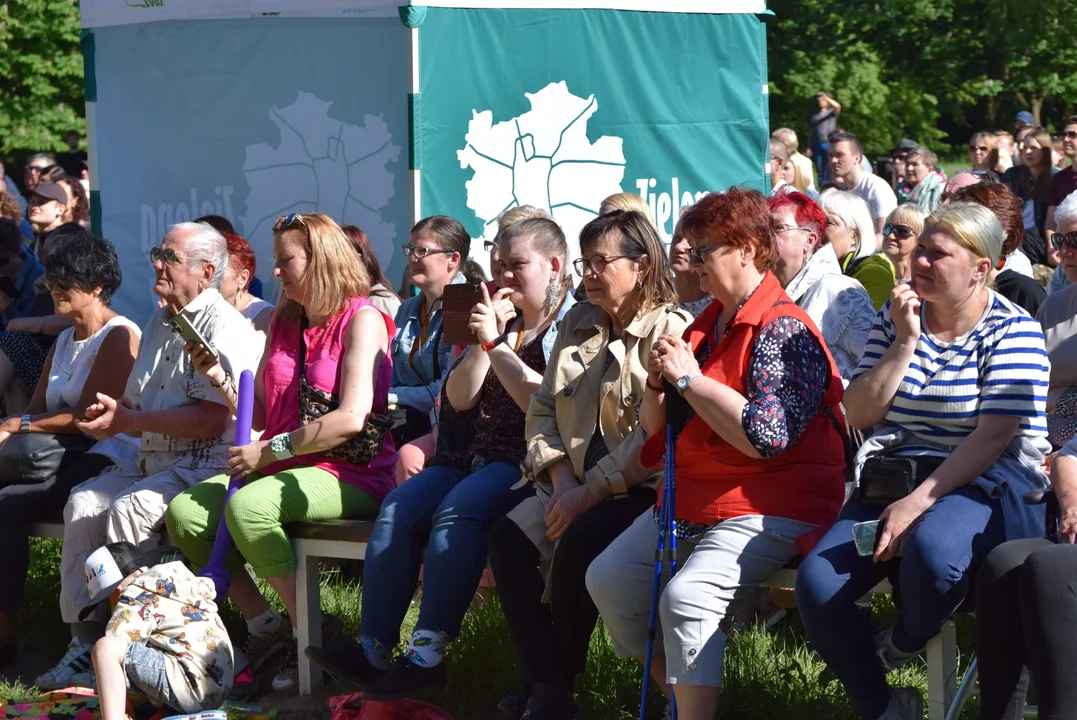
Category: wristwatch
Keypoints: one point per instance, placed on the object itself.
(24, 424)
(685, 380)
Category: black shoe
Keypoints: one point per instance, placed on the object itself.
(549, 702)
(346, 661)
(9, 654)
(404, 679)
(514, 704)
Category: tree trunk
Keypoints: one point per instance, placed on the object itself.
(1036, 107)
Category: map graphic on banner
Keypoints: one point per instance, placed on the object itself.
(541, 158)
(322, 165)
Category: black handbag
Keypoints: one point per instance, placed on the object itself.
(885, 480)
(33, 458)
(360, 449)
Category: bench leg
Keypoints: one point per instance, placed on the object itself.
(941, 654)
(309, 622)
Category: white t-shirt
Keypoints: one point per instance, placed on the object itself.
(254, 307)
(877, 193)
(72, 361)
(1019, 263)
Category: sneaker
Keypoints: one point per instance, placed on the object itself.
(405, 678)
(74, 669)
(889, 656)
(549, 702)
(513, 705)
(262, 647)
(288, 675)
(906, 703)
(349, 662)
(244, 687)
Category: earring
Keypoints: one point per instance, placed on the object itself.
(553, 293)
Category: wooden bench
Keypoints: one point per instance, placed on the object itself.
(348, 539)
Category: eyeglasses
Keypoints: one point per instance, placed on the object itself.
(1070, 134)
(697, 255)
(52, 282)
(980, 148)
(169, 256)
(901, 232)
(420, 252)
(286, 221)
(37, 168)
(786, 228)
(489, 246)
(1065, 242)
(596, 264)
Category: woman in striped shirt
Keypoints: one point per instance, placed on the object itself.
(953, 380)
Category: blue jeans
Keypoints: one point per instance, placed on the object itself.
(820, 155)
(144, 668)
(450, 513)
(931, 579)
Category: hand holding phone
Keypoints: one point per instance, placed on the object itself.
(456, 304)
(190, 335)
(865, 536)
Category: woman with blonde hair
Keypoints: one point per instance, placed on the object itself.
(851, 232)
(953, 381)
(626, 202)
(984, 153)
(903, 226)
(327, 338)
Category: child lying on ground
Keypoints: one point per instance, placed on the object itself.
(165, 637)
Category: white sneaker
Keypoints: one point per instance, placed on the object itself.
(288, 675)
(889, 656)
(74, 669)
(906, 703)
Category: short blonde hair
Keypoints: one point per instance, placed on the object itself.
(855, 213)
(972, 226)
(787, 137)
(909, 214)
(629, 202)
(335, 274)
(518, 214)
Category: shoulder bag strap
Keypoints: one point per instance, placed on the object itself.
(303, 324)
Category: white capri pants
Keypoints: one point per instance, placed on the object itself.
(125, 502)
(713, 571)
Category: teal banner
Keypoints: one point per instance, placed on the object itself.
(250, 119)
(562, 108)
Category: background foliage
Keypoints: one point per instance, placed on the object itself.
(931, 70)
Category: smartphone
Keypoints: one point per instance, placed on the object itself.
(186, 330)
(865, 535)
(457, 302)
(8, 287)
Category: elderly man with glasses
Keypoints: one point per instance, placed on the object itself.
(181, 424)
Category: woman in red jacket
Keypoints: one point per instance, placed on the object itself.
(751, 390)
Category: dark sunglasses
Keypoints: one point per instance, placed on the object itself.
(1070, 134)
(170, 256)
(489, 246)
(52, 282)
(901, 232)
(981, 148)
(286, 221)
(1067, 241)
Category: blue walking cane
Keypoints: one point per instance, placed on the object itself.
(216, 570)
(665, 553)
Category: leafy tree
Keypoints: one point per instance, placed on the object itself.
(40, 75)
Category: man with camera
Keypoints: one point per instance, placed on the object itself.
(183, 425)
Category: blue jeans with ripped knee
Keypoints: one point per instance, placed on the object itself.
(948, 543)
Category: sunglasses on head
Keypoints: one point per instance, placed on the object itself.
(1065, 242)
(286, 221)
(901, 232)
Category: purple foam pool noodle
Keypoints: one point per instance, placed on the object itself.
(217, 570)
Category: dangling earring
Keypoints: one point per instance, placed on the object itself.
(553, 293)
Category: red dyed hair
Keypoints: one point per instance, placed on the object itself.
(806, 212)
(737, 217)
(240, 253)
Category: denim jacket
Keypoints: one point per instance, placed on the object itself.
(417, 385)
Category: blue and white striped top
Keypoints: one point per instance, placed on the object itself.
(999, 367)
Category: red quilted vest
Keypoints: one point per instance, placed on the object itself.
(714, 479)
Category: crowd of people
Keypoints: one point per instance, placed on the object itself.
(874, 351)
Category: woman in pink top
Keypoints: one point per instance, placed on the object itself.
(289, 477)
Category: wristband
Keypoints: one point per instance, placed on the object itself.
(227, 380)
(24, 423)
(655, 388)
(487, 347)
(281, 446)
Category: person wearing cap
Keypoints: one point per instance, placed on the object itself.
(48, 206)
(902, 187)
(165, 639)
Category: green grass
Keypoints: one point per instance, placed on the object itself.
(769, 674)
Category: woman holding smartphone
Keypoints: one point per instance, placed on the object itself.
(472, 479)
(954, 379)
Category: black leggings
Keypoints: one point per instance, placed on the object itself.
(552, 639)
(1026, 597)
(21, 506)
